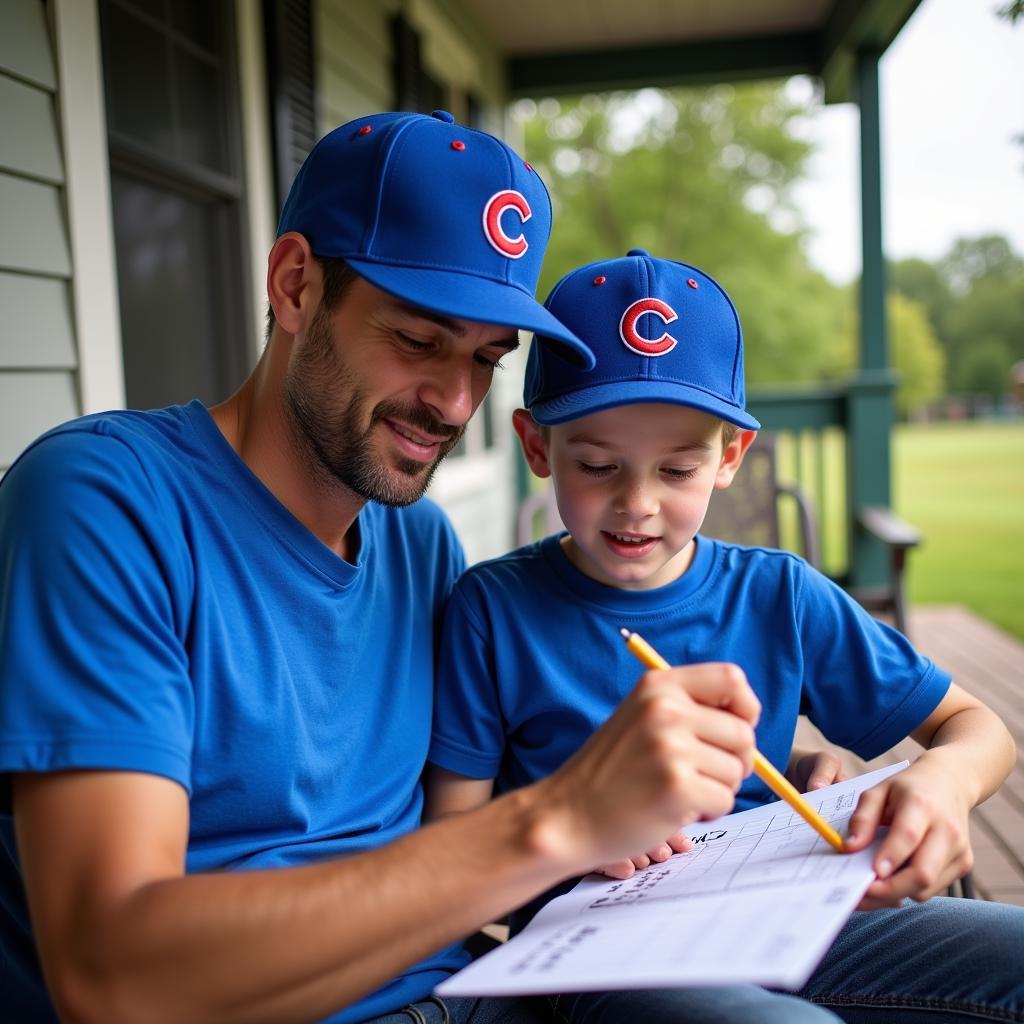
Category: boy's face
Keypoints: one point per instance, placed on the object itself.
(633, 485)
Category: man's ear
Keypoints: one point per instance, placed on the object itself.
(534, 447)
(732, 457)
(294, 282)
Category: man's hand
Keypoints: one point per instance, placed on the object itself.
(675, 750)
(927, 845)
(628, 866)
(815, 769)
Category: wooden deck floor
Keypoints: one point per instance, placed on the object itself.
(990, 664)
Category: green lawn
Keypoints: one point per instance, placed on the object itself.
(962, 485)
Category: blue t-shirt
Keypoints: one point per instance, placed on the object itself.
(162, 612)
(532, 661)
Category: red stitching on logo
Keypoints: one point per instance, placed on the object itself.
(634, 341)
(496, 206)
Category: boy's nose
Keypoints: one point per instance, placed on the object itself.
(636, 500)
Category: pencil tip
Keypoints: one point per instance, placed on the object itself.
(625, 632)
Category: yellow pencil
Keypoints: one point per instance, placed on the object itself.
(763, 768)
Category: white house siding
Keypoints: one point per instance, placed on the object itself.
(353, 53)
(38, 359)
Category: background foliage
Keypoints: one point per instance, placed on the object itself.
(705, 176)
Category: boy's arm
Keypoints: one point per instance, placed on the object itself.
(926, 806)
(447, 792)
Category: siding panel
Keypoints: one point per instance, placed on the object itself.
(25, 42)
(353, 59)
(37, 329)
(31, 403)
(38, 352)
(34, 237)
(344, 100)
(28, 132)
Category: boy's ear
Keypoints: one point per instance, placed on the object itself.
(732, 457)
(534, 447)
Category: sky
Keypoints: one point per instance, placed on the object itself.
(952, 88)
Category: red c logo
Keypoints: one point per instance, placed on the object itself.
(632, 338)
(496, 206)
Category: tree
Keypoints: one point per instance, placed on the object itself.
(992, 311)
(973, 259)
(926, 284)
(985, 369)
(973, 296)
(1012, 10)
(914, 351)
(699, 175)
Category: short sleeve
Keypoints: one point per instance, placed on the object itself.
(93, 610)
(469, 733)
(865, 686)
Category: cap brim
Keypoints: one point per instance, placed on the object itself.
(469, 297)
(599, 397)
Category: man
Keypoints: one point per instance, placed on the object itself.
(217, 634)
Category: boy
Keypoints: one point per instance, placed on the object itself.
(532, 660)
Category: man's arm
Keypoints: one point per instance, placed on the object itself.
(124, 934)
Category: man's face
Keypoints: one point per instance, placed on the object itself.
(379, 392)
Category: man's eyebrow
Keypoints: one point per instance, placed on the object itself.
(509, 343)
(690, 446)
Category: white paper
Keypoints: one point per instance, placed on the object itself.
(759, 899)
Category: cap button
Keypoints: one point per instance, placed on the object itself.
(638, 252)
(443, 115)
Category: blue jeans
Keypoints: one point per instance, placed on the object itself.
(947, 960)
(469, 1011)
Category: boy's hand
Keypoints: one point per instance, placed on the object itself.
(815, 769)
(626, 868)
(927, 846)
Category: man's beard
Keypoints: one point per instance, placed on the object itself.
(330, 433)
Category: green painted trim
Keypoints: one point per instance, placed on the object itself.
(869, 429)
(873, 341)
(682, 64)
(854, 25)
(799, 409)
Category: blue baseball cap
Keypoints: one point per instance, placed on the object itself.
(660, 331)
(443, 216)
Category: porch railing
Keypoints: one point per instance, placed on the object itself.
(834, 442)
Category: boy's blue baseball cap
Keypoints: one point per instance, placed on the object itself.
(443, 216)
(661, 331)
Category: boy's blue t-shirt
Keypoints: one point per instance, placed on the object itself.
(162, 612)
(532, 660)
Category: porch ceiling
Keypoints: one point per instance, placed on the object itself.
(571, 46)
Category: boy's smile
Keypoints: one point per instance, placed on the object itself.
(633, 485)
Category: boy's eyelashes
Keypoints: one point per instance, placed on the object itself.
(592, 470)
(605, 468)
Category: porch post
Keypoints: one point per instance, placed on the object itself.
(870, 398)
